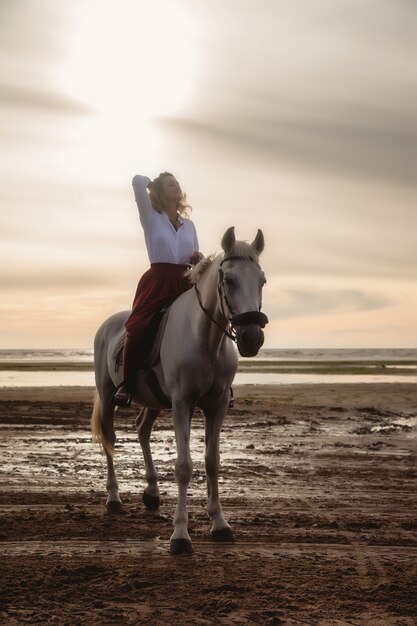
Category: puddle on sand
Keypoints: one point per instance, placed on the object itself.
(69, 460)
(260, 454)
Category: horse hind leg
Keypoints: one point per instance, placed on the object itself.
(102, 426)
(144, 422)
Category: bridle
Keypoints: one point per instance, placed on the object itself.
(250, 317)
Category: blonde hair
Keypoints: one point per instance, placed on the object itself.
(155, 188)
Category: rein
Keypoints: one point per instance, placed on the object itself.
(250, 317)
(231, 334)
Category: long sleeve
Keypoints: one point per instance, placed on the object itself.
(146, 210)
(164, 244)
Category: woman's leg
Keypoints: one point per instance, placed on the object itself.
(132, 360)
(158, 287)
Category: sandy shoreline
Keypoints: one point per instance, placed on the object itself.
(393, 396)
(318, 481)
(248, 363)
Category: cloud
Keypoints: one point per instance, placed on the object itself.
(300, 118)
(345, 148)
(57, 281)
(16, 96)
(292, 303)
(333, 257)
(321, 86)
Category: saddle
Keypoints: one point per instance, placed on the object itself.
(151, 360)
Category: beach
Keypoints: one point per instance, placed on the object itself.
(318, 482)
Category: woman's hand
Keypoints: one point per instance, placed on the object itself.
(196, 257)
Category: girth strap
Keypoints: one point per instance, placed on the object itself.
(153, 384)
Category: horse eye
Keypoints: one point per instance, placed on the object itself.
(230, 281)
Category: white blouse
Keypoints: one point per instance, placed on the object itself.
(163, 242)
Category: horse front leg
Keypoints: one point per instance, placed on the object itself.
(180, 539)
(144, 422)
(221, 530)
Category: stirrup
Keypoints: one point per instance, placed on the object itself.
(122, 398)
(231, 399)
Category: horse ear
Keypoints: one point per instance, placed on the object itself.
(259, 242)
(229, 240)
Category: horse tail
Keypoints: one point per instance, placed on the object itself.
(99, 435)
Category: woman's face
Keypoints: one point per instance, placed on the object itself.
(171, 189)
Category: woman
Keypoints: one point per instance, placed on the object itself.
(172, 244)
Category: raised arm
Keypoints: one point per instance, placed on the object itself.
(196, 245)
(140, 184)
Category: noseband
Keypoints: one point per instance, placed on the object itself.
(250, 317)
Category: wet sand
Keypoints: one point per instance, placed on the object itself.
(318, 482)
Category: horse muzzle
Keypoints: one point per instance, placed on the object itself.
(249, 333)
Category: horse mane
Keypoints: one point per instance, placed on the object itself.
(241, 248)
(196, 272)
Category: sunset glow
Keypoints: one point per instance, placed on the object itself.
(293, 118)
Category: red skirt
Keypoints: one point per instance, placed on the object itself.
(158, 287)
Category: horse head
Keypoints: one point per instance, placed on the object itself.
(241, 280)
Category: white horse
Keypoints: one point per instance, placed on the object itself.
(196, 367)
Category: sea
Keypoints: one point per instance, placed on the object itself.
(74, 367)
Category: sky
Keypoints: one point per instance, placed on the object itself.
(299, 118)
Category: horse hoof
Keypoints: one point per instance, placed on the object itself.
(114, 507)
(181, 546)
(223, 534)
(150, 502)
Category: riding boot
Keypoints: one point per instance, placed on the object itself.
(131, 360)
